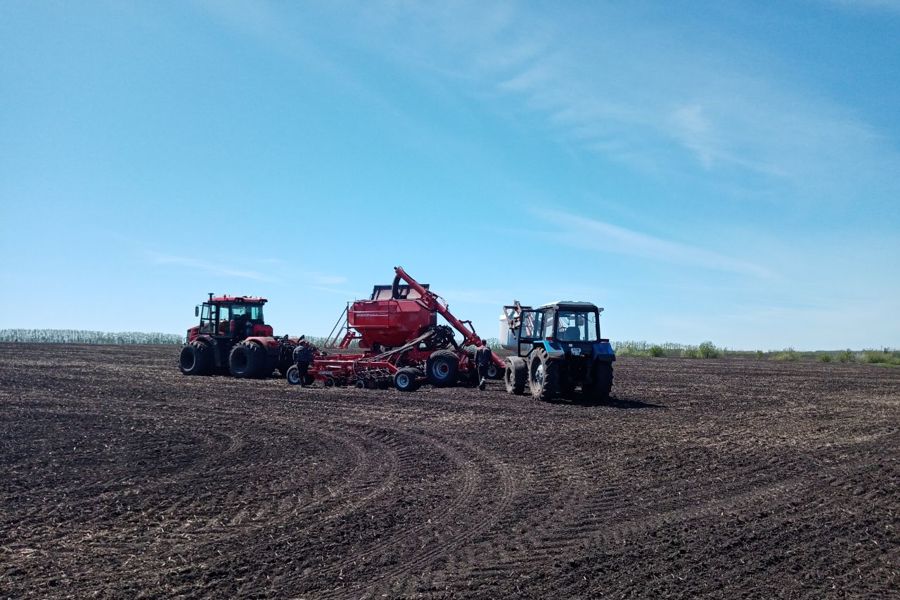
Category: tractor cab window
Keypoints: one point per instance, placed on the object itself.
(531, 324)
(577, 326)
(548, 324)
(207, 319)
(256, 314)
(224, 318)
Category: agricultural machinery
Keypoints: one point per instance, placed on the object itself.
(558, 348)
(232, 337)
(400, 340)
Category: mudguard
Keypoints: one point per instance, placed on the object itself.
(604, 351)
(553, 349)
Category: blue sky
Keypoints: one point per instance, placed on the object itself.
(724, 171)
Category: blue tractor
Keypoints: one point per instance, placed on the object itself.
(558, 349)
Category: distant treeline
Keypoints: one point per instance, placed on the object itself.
(79, 336)
(881, 356)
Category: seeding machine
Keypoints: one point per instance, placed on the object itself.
(401, 342)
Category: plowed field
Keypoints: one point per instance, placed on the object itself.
(119, 477)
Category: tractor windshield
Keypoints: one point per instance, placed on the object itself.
(253, 312)
(577, 326)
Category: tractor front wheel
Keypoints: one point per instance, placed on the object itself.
(543, 376)
(247, 359)
(293, 375)
(194, 359)
(515, 375)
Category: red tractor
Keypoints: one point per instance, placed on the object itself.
(401, 342)
(232, 337)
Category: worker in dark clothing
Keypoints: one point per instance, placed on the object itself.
(483, 359)
(303, 357)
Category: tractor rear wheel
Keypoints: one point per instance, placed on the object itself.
(442, 368)
(194, 359)
(515, 375)
(247, 359)
(602, 375)
(407, 380)
(543, 376)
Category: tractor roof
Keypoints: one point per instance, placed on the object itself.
(237, 300)
(573, 304)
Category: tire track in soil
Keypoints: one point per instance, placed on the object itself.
(379, 469)
(371, 476)
(779, 497)
(548, 539)
(471, 463)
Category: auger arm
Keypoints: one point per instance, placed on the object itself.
(432, 301)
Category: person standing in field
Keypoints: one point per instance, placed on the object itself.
(303, 356)
(483, 358)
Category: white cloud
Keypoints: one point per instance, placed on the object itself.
(583, 232)
(212, 268)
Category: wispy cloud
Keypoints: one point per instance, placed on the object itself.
(326, 279)
(869, 5)
(583, 232)
(649, 97)
(208, 267)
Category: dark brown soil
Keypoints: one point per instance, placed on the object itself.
(119, 477)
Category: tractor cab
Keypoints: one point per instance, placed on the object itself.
(575, 325)
(230, 317)
(569, 327)
(558, 348)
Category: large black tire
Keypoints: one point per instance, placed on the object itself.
(601, 386)
(195, 359)
(442, 368)
(515, 375)
(285, 358)
(247, 359)
(407, 380)
(543, 376)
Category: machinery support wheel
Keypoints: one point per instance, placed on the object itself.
(543, 376)
(194, 359)
(442, 368)
(602, 375)
(247, 360)
(293, 375)
(407, 380)
(515, 375)
(494, 372)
